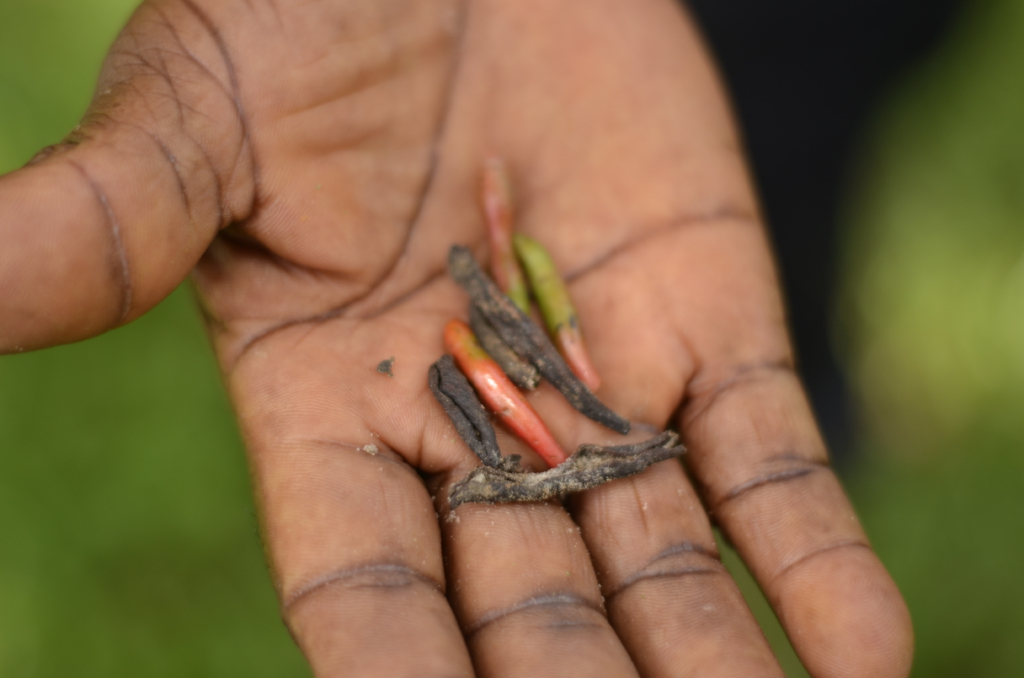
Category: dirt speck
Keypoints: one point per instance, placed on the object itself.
(384, 366)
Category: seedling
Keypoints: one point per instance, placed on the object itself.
(496, 198)
(556, 307)
(499, 394)
(523, 374)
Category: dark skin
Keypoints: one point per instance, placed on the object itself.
(310, 164)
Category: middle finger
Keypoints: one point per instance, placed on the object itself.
(524, 589)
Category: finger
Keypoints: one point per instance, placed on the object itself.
(103, 226)
(351, 531)
(767, 481)
(525, 591)
(763, 469)
(354, 543)
(754, 446)
(668, 596)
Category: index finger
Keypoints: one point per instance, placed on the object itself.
(351, 530)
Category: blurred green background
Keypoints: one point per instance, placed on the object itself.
(128, 541)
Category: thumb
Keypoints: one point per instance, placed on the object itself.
(100, 228)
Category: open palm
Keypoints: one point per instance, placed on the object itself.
(311, 163)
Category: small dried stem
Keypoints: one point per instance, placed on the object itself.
(523, 374)
(589, 467)
(467, 413)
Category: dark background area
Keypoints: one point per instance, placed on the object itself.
(804, 76)
(128, 542)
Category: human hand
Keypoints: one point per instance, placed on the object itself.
(313, 164)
